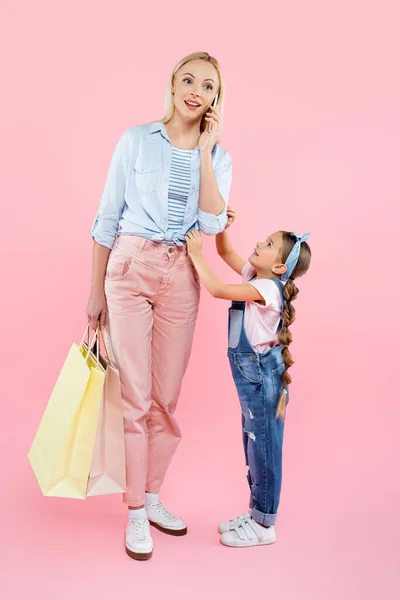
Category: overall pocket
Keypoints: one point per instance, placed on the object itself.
(249, 367)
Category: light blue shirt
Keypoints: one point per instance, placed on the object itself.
(135, 197)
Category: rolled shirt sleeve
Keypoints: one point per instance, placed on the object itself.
(213, 224)
(105, 225)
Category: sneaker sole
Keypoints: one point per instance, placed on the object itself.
(267, 543)
(175, 532)
(138, 555)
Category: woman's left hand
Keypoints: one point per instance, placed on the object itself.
(211, 134)
(194, 242)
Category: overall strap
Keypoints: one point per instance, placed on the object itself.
(238, 340)
(238, 304)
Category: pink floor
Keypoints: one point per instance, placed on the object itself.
(334, 540)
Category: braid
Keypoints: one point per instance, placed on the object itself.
(290, 293)
(285, 338)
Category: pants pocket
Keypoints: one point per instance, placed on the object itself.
(119, 265)
(277, 384)
(195, 277)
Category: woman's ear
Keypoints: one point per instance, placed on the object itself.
(279, 269)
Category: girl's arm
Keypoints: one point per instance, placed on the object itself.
(218, 289)
(227, 253)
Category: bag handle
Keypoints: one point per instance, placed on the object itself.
(100, 336)
(90, 344)
(86, 333)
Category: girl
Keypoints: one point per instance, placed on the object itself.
(165, 179)
(259, 356)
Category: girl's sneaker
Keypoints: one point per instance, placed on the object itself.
(248, 532)
(227, 525)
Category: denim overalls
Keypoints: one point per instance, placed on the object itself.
(258, 382)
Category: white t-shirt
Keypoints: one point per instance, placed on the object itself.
(261, 322)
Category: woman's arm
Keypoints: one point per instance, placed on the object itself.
(210, 198)
(105, 226)
(218, 289)
(96, 308)
(214, 191)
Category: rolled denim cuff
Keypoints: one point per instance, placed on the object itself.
(263, 518)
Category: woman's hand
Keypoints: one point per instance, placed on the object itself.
(231, 216)
(211, 134)
(194, 243)
(96, 308)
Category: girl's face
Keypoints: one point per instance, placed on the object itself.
(265, 258)
(195, 86)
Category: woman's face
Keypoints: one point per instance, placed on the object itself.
(195, 87)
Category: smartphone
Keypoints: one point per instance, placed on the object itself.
(214, 104)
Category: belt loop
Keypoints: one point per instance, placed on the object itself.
(142, 244)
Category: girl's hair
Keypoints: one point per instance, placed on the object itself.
(290, 292)
(169, 106)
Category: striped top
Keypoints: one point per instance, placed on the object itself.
(179, 188)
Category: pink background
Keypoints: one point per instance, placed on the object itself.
(312, 122)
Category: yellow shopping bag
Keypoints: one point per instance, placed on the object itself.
(61, 453)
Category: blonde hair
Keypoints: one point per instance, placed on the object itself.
(169, 107)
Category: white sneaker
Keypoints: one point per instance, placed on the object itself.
(165, 521)
(248, 532)
(138, 540)
(227, 525)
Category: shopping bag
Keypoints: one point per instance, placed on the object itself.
(62, 451)
(108, 473)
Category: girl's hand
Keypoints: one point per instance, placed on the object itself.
(211, 134)
(194, 242)
(231, 216)
(96, 309)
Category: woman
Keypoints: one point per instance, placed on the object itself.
(165, 179)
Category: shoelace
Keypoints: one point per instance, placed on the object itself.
(247, 528)
(142, 529)
(163, 512)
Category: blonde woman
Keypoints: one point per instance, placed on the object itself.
(165, 179)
